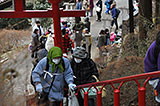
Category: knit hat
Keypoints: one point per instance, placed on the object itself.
(80, 52)
(55, 52)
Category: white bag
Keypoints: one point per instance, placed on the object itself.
(72, 99)
(49, 43)
(98, 9)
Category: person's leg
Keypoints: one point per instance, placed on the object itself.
(107, 41)
(107, 11)
(91, 12)
(116, 23)
(112, 22)
(87, 13)
(99, 15)
(89, 50)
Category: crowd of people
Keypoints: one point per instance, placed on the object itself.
(53, 70)
(110, 8)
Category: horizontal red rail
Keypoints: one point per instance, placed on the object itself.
(141, 90)
(125, 79)
(40, 13)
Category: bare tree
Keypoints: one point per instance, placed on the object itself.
(146, 17)
(157, 11)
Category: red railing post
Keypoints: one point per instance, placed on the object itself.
(18, 5)
(56, 19)
(85, 98)
(99, 98)
(141, 96)
(116, 97)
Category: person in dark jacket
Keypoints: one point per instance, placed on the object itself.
(114, 15)
(101, 41)
(99, 4)
(35, 43)
(83, 69)
(107, 34)
(152, 63)
(87, 23)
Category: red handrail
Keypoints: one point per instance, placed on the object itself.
(141, 90)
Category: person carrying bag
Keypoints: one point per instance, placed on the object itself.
(52, 82)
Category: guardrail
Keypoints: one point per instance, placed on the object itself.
(141, 89)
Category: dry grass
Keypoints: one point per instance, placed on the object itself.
(10, 39)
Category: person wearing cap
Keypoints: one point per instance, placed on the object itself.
(83, 68)
(44, 81)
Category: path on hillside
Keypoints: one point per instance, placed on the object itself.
(106, 22)
(22, 60)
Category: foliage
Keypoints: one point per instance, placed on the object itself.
(43, 5)
(16, 23)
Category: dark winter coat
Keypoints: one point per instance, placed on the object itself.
(101, 41)
(84, 71)
(114, 12)
(99, 3)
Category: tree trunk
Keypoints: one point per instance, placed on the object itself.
(157, 11)
(145, 7)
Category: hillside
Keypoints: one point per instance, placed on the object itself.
(15, 67)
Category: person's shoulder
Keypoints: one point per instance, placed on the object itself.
(44, 59)
(152, 46)
(33, 35)
(66, 60)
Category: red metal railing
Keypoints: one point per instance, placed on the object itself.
(141, 89)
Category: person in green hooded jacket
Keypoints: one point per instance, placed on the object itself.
(43, 78)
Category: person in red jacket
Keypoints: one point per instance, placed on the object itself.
(66, 44)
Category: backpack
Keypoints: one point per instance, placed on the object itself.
(47, 69)
(117, 12)
(42, 40)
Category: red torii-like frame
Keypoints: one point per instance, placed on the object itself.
(55, 13)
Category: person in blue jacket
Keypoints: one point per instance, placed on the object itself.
(152, 63)
(108, 5)
(78, 5)
(43, 78)
(115, 14)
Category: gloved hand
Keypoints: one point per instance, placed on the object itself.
(114, 18)
(39, 88)
(72, 86)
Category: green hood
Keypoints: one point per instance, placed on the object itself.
(55, 52)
